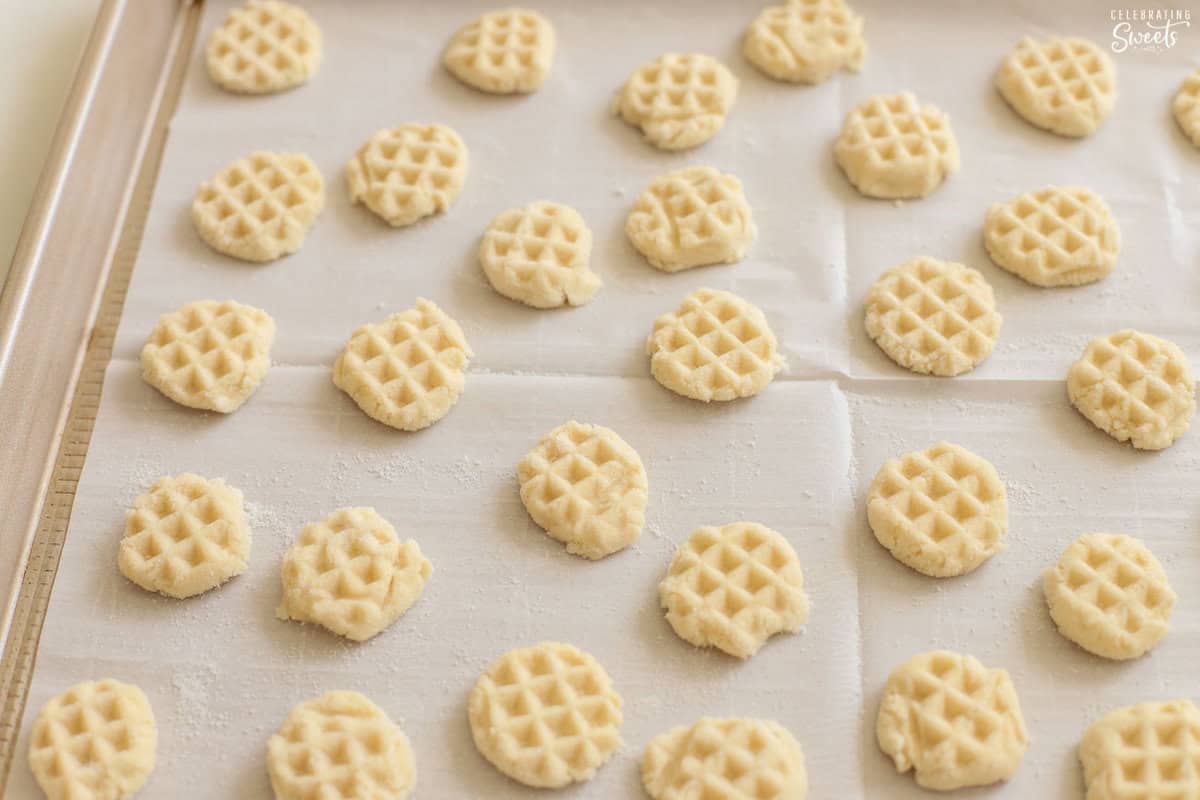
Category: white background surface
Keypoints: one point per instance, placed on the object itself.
(222, 672)
(41, 42)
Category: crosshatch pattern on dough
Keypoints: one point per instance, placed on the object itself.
(733, 587)
(730, 759)
(406, 173)
(503, 52)
(262, 47)
(340, 745)
(1148, 751)
(678, 100)
(1065, 85)
(540, 255)
(546, 716)
(806, 41)
(892, 147)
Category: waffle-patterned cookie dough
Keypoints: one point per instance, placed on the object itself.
(1056, 236)
(1110, 596)
(733, 587)
(678, 100)
(407, 173)
(1064, 85)
(933, 317)
(892, 147)
(546, 716)
(351, 574)
(260, 207)
(586, 487)
(1187, 107)
(209, 354)
(806, 41)
(185, 536)
(406, 371)
(951, 720)
(716, 346)
(540, 255)
(690, 218)
(95, 741)
(502, 52)
(262, 47)
(340, 745)
(725, 759)
(942, 511)
(1149, 751)
(1135, 387)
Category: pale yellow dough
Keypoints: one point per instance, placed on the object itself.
(1148, 751)
(942, 511)
(733, 587)
(1110, 596)
(185, 536)
(716, 346)
(262, 47)
(407, 173)
(678, 100)
(1065, 85)
(95, 741)
(586, 487)
(350, 573)
(952, 721)
(933, 317)
(260, 207)
(806, 41)
(690, 218)
(340, 745)
(725, 759)
(406, 371)
(1135, 387)
(1056, 236)
(209, 354)
(1186, 107)
(540, 255)
(502, 52)
(546, 716)
(894, 148)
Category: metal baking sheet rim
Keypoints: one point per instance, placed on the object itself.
(62, 300)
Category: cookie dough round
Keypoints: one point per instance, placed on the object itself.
(1056, 236)
(733, 587)
(262, 47)
(1187, 107)
(892, 147)
(933, 317)
(209, 354)
(540, 255)
(97, 740)
(351, 574)
(690, 218)
(407, 173)
(678, 100)
(1109, 595)
(725, 759)
(1065, 85)
(951, 720)
(1135, 387)
(340, 745)
(408, 370)
(1143, 752)
(546, 716)
(715, 346)
(185, 536)
(806, 41)
(261, 207)
(502, 52)
(586, 487)
(942, 511)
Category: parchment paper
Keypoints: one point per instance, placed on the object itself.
(222, 672)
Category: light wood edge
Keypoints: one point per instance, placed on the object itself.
(41, 564)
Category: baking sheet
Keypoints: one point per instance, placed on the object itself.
(222, 672)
